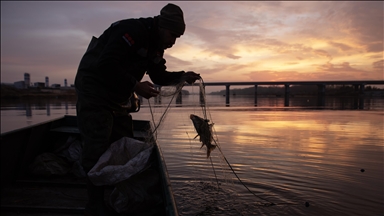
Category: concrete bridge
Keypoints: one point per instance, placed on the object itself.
(359, 87)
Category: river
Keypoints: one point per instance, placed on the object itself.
(305, 159)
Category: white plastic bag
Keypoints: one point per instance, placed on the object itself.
(123, 159)
(125, 164)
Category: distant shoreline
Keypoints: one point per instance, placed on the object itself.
(9, 92)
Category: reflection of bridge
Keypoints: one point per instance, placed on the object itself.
(46, 106)
(359, 87)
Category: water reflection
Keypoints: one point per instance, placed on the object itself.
(285, 156)
(37, 105)
(28, 109)
(48, 109)
(25, 112)
(335, 103)
(326, 102)
(293, 156)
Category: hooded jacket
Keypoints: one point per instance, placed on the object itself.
(116, 61)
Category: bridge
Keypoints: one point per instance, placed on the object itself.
(358, 84)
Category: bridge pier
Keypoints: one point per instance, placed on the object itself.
(286, 95)
(321, 95)
(227, 95)
(255, 95)
(359, 98)
(359, 88)
(179, 98)
(358, 102)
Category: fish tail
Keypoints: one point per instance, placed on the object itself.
(208, 152)
(210, 149)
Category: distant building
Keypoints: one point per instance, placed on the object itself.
(27, 79)
(8, 84)
(20, 85)
(39, 85)
(51, 90)
(26, 83)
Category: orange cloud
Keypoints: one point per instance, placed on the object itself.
(378, 66)
(340, 46)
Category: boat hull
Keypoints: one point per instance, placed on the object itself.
(24, 193)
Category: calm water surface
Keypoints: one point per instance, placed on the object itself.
(284, 156)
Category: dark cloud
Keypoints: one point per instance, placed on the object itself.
(48, 38)
(362, 20)
(375, 47)
(345, 71)
(215, 42)
(366, 21)
(336, 68)
(176, 64)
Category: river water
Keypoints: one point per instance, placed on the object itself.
(307, 160)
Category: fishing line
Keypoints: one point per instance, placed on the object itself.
(178, 87)
(213, 167)
(204, 109)
(267, 204)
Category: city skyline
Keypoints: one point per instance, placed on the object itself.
(224, 41)
(29, 80)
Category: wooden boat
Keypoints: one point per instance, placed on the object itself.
(23, 194)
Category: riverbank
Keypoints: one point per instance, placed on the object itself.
(9, 92)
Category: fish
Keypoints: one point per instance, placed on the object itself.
(204, 130)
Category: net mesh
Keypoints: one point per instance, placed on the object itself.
(217, 166)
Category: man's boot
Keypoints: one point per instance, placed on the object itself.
(96, 204)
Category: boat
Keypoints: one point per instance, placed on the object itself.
(24, 194)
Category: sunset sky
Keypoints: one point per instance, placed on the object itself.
(224, 41)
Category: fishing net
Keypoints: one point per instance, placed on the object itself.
(204, 147)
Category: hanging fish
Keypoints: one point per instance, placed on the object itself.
(204, 130)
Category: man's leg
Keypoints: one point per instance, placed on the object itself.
(122, 126)
(95, 127)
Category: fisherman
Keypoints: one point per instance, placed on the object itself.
(109, 75)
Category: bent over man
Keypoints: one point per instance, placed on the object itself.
(110, 72)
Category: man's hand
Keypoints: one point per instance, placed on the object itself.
(146, 89)
(190, 77)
